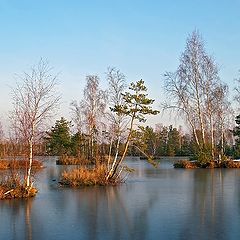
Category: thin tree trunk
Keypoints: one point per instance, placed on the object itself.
(109, 154)
(212, 139)
(28, 183)
(222, 141)
(125, 148)
(115, 159)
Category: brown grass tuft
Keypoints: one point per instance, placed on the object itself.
(84, 176)
(88, 177)
(14, 188)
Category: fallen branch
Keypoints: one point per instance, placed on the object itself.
(8, 192)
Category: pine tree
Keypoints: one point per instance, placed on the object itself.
(59, 138)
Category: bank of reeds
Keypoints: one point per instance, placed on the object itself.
(213, 164)
(13, 187)
(19, 164)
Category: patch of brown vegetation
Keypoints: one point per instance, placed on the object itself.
(185, 164)
(213, 164)
(86, 177)
(19, 164)
(230, 164)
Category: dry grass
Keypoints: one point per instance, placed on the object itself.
(12, 187)
(19, 164)
(87, 177)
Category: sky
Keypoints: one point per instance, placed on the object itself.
(143, 39)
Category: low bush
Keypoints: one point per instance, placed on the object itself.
(185, 164)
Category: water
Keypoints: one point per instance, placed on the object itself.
(162, 203)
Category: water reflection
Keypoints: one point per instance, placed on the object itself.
(162, 203)
(16, 223)
(113, 212)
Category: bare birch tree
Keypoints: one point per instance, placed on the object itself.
(237, 90)
(117, 84)
(93, 106)
(77, 115)
(197, 93)
(34, 101)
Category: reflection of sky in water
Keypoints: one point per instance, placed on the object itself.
(163, 203)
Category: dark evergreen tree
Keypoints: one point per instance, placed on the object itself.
(59, 138)
(173, 144)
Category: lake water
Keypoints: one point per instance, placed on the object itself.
(163, 203)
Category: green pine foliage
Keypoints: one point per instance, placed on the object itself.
(59, 138)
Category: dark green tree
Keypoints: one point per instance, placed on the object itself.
(173, 144)
(187, 147)
(59, 138)
(162, 136)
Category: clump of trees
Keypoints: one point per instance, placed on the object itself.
(128, 107)
(201, 98)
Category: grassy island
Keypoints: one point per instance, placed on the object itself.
(212, 164)
(12, 183)
(12, 187)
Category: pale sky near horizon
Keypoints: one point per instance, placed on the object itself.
(141, 38)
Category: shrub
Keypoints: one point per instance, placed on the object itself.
(185, 164)
(204, 157)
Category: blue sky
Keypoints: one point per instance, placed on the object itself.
(141, 38)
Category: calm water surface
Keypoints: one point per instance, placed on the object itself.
(163, 203)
